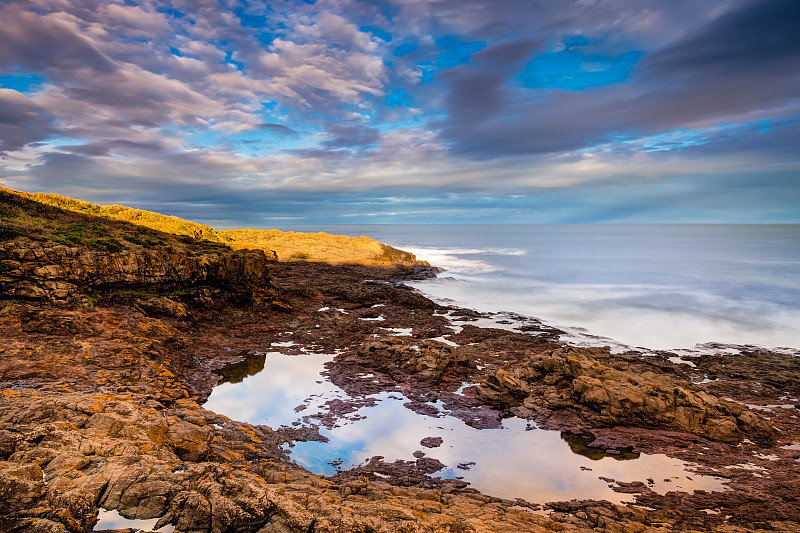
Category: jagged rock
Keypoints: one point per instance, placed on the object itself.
(46, 270)
(641, 399)
(427, 360)
(190, 442)
(502, 383)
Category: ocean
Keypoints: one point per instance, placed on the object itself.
(651, 286)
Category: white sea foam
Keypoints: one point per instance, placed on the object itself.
(625, 314)
(462, 260)
(628, 286)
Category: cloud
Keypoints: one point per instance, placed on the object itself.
(210, 104)
(746, 59)
(312, 74)
(757, 36)
(22, 121)
(710, 76)
(279, 129)
(50, 43)
(351, 136)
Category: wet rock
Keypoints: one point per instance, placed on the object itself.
(426, 360)
(624, 397)
(428, 465)
(431, 442)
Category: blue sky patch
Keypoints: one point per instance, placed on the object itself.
(405, 49)
(571, 70)
(398, 98)
(454, 52)
(22, 82)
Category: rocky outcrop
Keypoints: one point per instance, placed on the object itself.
(581, 381)
(99, 410)
(66, 455)
(49, 271)
(427, 360)
(623, 397)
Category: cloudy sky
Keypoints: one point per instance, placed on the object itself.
(274, 113)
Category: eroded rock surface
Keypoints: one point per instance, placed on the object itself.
(103, 409)
(50, 271)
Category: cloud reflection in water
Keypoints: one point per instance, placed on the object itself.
(510, 462)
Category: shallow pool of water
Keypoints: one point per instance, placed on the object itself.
(514, 461)
(111, 520)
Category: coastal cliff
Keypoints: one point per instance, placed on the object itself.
(114, 334)
(51, 271)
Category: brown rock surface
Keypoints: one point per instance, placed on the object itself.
(50, 271)
(101, 408)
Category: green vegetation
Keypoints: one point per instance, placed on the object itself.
(7, 303)
(91, 235)
(8, 232)
(42, 217)
(91, 300)
(148, 219)
(141, 293)
(114, 228)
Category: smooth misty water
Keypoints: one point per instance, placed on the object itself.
(652, 286)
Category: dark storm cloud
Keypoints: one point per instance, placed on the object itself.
(21, 121)
(106, 148)
(46, 43)
(481, 90)
(352, 136)
(743, 61)
(758, 36)
(746, 59)
(278, 129)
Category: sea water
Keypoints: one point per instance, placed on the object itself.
(655, 286)
(651, 286)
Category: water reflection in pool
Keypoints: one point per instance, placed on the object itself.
(512, 461)
(112, 520)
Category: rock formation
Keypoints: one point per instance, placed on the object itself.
(100, 405)
(51, 271)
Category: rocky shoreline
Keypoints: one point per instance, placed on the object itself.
(102, 408)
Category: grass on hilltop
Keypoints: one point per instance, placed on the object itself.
(27, 215)
(114, 228)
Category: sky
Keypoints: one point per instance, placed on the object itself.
(240, 113)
